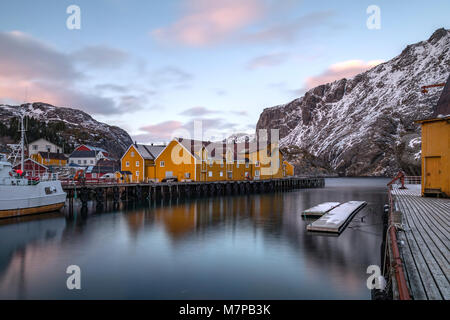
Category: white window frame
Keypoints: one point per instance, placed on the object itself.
(132, 154)
(137, 173)
(221, 173)
(257, 164)
(257, 173)
(210, 174)
(137, 163)
(127, 164)
(162, 164)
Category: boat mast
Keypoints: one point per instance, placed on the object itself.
(22, 144)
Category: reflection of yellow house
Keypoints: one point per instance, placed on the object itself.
(436, 156)
(50, 158)
(195, 160)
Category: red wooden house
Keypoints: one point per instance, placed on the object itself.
(32, 168)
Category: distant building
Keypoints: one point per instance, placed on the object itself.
(85, 147)
(103, 167)
(50, 158)
(32, 168)
(436, 148)
(195, 160)
(139, 159)
(42, 145)
(86, 158)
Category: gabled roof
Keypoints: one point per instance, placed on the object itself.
(31, 160)
(147, 152)
(443, 105)
(45, 141)
(83, 154)
(92, 148)
(52, 155)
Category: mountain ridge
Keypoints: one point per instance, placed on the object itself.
(364, 126)
(73, 127)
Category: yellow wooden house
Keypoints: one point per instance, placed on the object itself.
(195, 160)
(436, 148)
(50, 158)
(436, 156)
(139, 159)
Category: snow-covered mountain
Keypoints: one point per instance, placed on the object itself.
(365, 125)
(78, 126)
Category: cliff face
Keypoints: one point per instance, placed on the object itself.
(365, 125)
(72, 126)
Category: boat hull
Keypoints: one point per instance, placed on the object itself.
(28, 211)
(22, 200)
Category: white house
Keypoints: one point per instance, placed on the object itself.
(42, 145)
(86, 158)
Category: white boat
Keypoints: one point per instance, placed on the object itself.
(20, 195)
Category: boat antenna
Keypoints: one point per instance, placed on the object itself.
(22, 143)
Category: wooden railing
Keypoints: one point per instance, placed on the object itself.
(413, 179)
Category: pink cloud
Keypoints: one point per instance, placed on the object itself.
(160, 131)
(206, 22)
(345, 69)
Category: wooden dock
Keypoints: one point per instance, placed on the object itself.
(169, 190)
(423, 233)
(335, 220)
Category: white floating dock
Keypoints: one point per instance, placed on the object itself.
(321, 209)
(337, 219)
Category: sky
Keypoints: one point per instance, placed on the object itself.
(155, 67)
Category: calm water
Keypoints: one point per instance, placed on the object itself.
(239, 247)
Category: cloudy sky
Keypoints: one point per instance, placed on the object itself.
(153, 67)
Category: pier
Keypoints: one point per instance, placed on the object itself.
(419, 239)
(169, 190)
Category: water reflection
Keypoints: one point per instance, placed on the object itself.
(241, 247)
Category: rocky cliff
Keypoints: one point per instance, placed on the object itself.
(69, 127)
(365, 125)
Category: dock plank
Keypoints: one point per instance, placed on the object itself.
(337, 219)
(426, 235)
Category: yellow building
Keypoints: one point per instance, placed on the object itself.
(266, 161)
(436, 156)
(139, 159)
(288, 169)
(50, 158)
(195, 160)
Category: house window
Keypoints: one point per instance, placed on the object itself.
(162, 164)
(187, 175)
(256, 173)
(85, 161)
(127, 164)
(79, 161)
(137, 163)
(237, 165)
(247, 165)
(35, 147)
(94, 175)
(221, 164)
(137, 173)
(132, 153)
(209, 173)
(210, 163)
(257, 164)
(221, 173)
(47, 147)
(92, 161)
